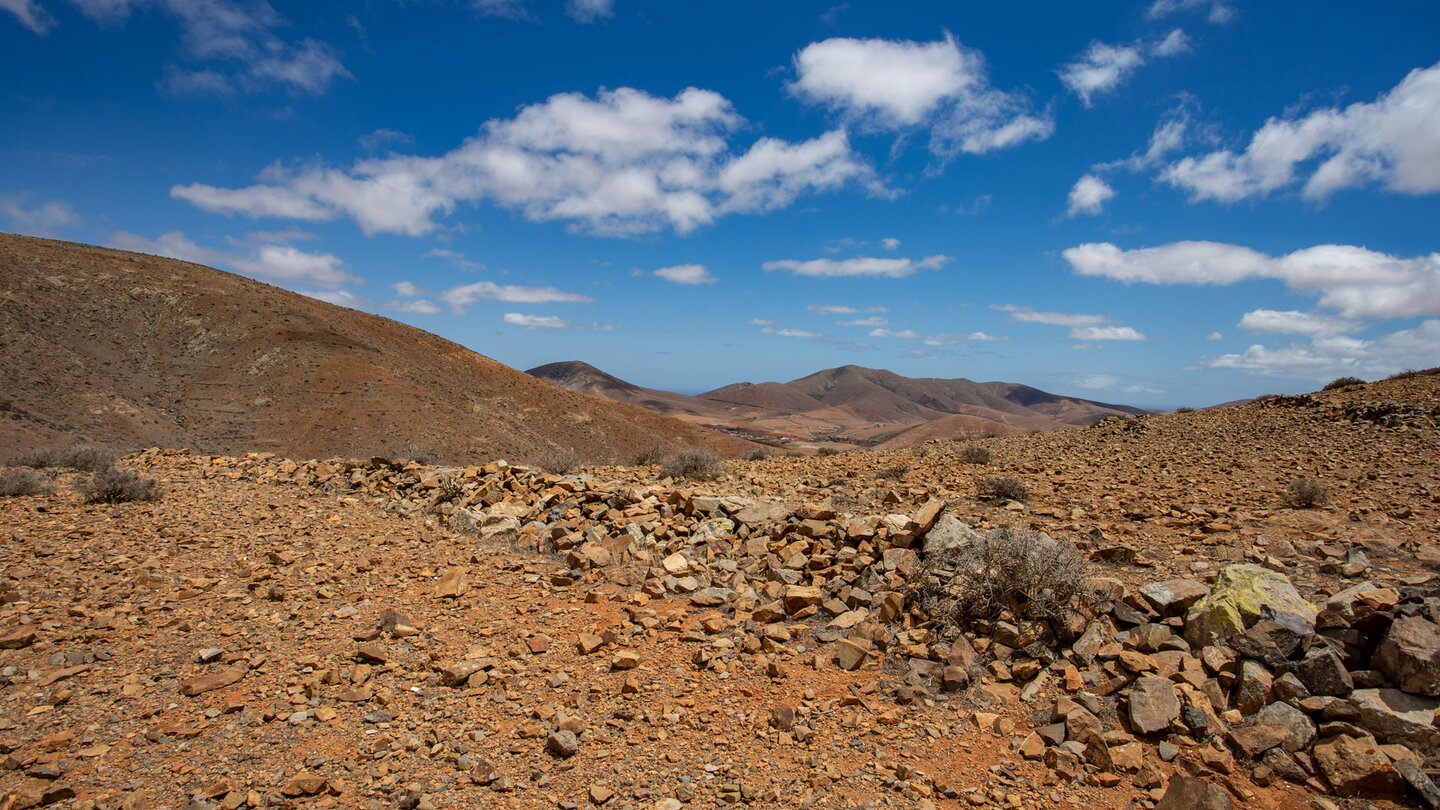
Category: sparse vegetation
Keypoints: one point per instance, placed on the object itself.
(1411, 373)
(21, 482)
(975, 454)
(1184, 409)
(692, 463)
(895, 472)
(117, 486)
(557, 461)
(83, 457)
(450, 489)
(828, 451)
(413, 452)
(647, 457)
(1006, 487)
(757, 454)
(1305, 493)
(1023, 572)
(1342, 382)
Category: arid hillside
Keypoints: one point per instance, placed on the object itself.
(131, 350)
(852, 406)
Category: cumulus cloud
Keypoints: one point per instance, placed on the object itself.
(840, 309)
(463, 296)
(1327, 357)
(29, 14)
(1174, 44)
(1216, 11)
(282, 264)
(420, 306)
(550, 322)
(1393, 141)
(1089, 196)
(874, 320)
(686, 274)
(406, 289)
(1291, 322)
(1027, 315)
(898, 85)
(927, 339)
(857, 267)
(454, 258)
(906, 334)
(622, 163)
(588, 11)
(1354, 282)
(1106, 333)
(890, 243)
(42, 218)
(1101, 69)
(793, 333)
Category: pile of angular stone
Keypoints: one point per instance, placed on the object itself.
(1342, 698)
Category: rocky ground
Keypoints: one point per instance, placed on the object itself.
(374, 633)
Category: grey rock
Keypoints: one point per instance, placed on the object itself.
(1174, 597)
(1399, 717)
(1323, 673)
(1153, 704)
(1410, 655)
(563, 744)
(1299, 728)
(1189, 793)
(1420, 782)
(1253, 688)
(949, 535)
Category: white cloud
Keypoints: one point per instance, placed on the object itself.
(1352, 281)
(383, 137)
(890, 243)
(454, 258)
(1327, 357)
(1217, 11)
(282, 264)
(1174, 44)
(900, 84)
(1099, 382)
(792, 333)
(1105, 333)
(1102, 69)
(686, 274)
(29, 14)
(1028, 315)
(874, 320)
(623, 163)
(905, 334)
(1215, 336)
(859, 266)
(463, 296)
(417, 307)
(45, 218)
(518, 10)
(760, 322)
(550, 322)
(1089, 196)
(982, 337)
(1393, 141)
(840, 309)
(405, 289)
(1290, 322)
(340, 298)
(588, 11)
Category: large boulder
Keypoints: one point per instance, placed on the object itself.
(1410, 655)
(1399, 717)
(1243, 594)
(949, 535)
(1173, 597)
(1354, 766)
(1189, 793)
(1153, 704)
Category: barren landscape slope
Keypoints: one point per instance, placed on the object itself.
(135, 350)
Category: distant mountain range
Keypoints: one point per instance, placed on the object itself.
(850, 405)
(132, 351)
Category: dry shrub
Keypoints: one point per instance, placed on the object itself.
(557, 461)
(1342, 382)
(975, 454)
(648, 457)
(1412, 373)
(758, 454)
(1305, 493)
(83, 457)
(117, 486)
(21, 482)
(895, 473)
(450, 488)
(828, 451)
(413, 452)
(1003, 486)
(1024, 572)
(691, 463)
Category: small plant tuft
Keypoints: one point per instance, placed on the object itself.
(450, 489)
(1006, 487)
(1009, 569)
(1305, 493)
(413, 452)
(692, 463)
(1184, 409)
(650, 456)
(1411, 373)
(21, 482)
(1342, 382)
(556, 461)
(83, 457)
(976, 454)
(893, 473)
(117, 486)
(758, 454)
(828, 451)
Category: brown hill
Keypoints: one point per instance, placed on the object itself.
(134, 350)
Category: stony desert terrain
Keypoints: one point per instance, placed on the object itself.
(375, 633)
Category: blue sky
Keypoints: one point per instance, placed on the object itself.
(1173, 202)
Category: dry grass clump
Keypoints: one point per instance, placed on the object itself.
(647, 457)
(414, 452)
(896, 472)
(975, 454)
(21, 482)
(758, 454)
(1342, 382)
(828, 451)
(83, 457)
(1305, 493)
(692, 463)
(1006, 487)
(1023, 572)
(117, 486)
(557, 461)
(1411, 373)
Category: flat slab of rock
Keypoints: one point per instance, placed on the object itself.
(1153, 704)
(1354, 766)
(1174, 597)
(211, 681)
(1189, 793)
(1399, 717)
(1410, 655)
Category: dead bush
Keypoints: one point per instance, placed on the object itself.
(1305, 493)
(758, 454)
(648, 457)
(1412, 373)
(83, 457)
(1342, 382)
(413, 452)
(22, 482)
(976, 454)
(117, 486)
(450, 488)
(1023, 572)
(556, 460)
(1008, 487)
(895, 473)
(693, 463)
(828, 451)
